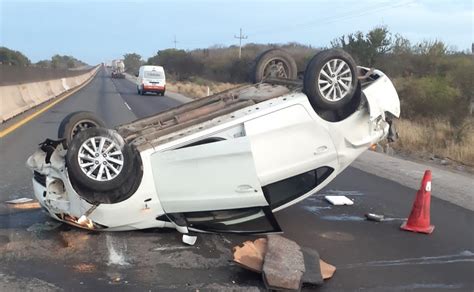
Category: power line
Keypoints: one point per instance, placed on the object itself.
(240, 37)
(350, 14)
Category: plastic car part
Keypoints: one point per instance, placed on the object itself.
(330, 79)
(274, 63)
(76, 122)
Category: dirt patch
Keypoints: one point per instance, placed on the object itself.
(4, 240)
(198, 90)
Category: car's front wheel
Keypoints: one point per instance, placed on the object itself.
(99, 159)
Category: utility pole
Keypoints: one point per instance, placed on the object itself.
(240, 37)
(175, 42)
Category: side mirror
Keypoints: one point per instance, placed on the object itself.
(136, 74)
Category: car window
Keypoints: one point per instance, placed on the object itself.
(286, 190)
(153, 74)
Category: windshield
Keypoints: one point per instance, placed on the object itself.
(154, 74)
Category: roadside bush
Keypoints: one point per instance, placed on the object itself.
(179, 63)
(240, 70)
(431, 97)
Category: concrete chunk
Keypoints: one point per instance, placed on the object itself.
(283, 266)
(312, 274)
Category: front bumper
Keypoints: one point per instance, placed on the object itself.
(55, 193)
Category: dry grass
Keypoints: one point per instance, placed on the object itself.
(437, 138)
(195, 90)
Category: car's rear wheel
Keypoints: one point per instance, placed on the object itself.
(76, 122)
(274, 63)
(99, 159)
(330, 80)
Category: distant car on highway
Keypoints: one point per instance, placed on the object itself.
(223, 163)
(151, 79)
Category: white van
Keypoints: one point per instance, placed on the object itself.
(151, 79)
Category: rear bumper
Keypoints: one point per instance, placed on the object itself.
(154, 88)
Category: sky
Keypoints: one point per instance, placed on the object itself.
(97, 31)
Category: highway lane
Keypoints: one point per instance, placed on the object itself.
(114, 100)
(143, 105)
(37, 252)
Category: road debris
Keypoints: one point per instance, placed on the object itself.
(313, 273)
(327, 270)
(25, 206)
(283, 264)
(23, 203)
(374, 217)
(251, 254)
(19, 201)
(189, 239)
(339, 200)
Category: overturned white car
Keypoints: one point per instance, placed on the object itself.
(223, 163)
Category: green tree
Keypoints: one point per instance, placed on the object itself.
(43, 64)
(430, 58)
(11, 57)
(132, 62)
(65, 62)
(179, 63)
(401, 46)
(366, 49)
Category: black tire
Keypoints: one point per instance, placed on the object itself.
(266, 66)
(75, 122)
(77, 174)
(317, 94)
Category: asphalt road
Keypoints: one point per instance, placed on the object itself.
(39, 254)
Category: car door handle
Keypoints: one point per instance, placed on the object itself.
(245, 189)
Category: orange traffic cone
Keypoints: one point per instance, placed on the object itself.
(419, 220)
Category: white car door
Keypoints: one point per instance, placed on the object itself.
(291, 148)
(212, 187)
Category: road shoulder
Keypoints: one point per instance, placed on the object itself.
(456, 188)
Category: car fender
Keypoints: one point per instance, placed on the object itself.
(382, 97)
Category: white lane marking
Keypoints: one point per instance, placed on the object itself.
(171, 248)
(463, 256)
(126, 104)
